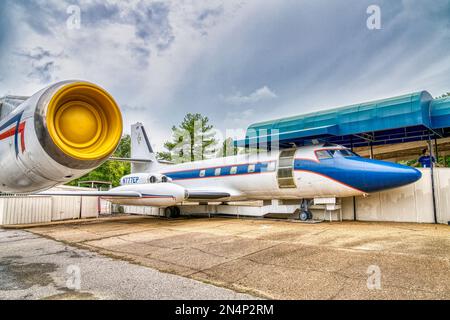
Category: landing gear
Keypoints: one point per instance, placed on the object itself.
(305, 214)
(172, 212)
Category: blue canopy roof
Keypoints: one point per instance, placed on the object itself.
(405, 118)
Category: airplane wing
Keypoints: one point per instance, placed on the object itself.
(115, 194)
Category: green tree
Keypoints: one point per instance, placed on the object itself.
(164, 155)
(444, 95)
(228, 148)
(111, 170)
(124, 148)
(194, 139)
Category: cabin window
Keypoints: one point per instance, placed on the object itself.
(217, 172)
(323, 154)
(271, 166)
(251, 168)
(233, 170)
(202, 173)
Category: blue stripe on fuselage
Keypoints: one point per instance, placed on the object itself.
(363, 174)
(225, 171)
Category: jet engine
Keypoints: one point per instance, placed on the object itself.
(144, 178)
(57, 135)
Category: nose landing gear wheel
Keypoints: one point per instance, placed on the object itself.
(304, 216)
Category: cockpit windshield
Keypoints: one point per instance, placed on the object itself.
(347, 153)
(332, 153)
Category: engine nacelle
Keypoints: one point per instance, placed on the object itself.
(144, 178)
(57, 135)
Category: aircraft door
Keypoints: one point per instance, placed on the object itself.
(285, 171)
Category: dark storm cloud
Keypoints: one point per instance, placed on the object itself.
(152, 24)
(141, 53)
(207, 18)
(240, 62)
(205, 14)
(100, 12)
(43, 72)
(6, 32)
(150, 19)
(317, 54)
(41, 62)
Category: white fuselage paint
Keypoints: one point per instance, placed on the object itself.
(263, 186)
(245, 186)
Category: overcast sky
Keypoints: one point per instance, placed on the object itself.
(235, 61)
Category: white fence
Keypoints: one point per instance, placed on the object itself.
(42, 209)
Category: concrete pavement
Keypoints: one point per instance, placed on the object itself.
(34, 267)
(279, 259)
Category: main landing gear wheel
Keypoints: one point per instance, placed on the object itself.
(172, 212)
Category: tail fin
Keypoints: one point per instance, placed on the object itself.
(141, 149)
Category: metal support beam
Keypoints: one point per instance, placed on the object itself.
(436, 150)
(354, 198)
(433, 191)
(371, 150)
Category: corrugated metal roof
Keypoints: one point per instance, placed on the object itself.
(404, 117)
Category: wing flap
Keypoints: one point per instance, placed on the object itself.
(206, 195)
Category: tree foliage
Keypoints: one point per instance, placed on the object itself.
(445, 95)
(194, 139)
(228, 148)
(111, 170)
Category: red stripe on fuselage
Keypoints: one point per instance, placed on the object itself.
(11, 132)
(8, 133)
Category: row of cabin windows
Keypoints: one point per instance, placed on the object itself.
(251, 168)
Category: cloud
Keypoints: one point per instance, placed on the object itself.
(42, 63)
(208, 18)
(261, 94)
(162, 59)
(152, 24)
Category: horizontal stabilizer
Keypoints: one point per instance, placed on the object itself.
(131, 160)
(108, 194)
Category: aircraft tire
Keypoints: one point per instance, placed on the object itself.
(303, 216)
(169, 212)
(177, 212)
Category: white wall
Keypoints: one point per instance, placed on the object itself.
(412, 203)
(443, 195)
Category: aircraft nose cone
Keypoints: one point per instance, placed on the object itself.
(411, 175)
(373, 175)
(391, 175)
